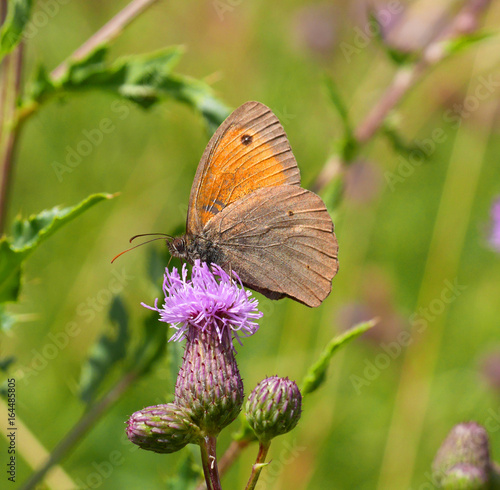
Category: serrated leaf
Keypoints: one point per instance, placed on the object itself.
(143, 79)
(134, 77)
(188, 474)
(317, 372)
(18, 15)
(106, 352)
(199, 96)
(27, 235)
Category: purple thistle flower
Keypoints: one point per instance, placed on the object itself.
(210, 300)
(495, 225)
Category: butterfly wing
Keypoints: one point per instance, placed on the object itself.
(280, 241)
(249, 151)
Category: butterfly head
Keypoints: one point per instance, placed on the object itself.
(178, 247)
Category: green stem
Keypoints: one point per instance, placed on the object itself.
(82, 427)
(260, 462)
(209, 462)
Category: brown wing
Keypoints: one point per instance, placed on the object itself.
(250, 150)
(280, 241)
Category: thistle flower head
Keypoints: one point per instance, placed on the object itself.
(210, 300)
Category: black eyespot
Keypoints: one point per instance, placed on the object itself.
(290, 213)
(246, 139)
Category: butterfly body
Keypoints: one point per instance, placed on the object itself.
(248, 213)
(190, 248)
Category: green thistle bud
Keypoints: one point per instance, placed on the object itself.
(209, 384)
(162, 428)
(274, 407)
(463, 460)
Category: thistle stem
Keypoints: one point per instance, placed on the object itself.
(11, 87)
(209, 462)
(260, 462)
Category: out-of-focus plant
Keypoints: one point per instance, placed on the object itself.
(464, 461)
(146, 80)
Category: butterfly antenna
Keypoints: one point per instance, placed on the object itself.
(140, 244)
(151, 234)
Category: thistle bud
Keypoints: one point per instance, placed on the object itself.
(466, 477)
(162, 428)
(463, 460)
(209, 384)
(274, 407)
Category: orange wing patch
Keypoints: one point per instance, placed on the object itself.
(249, 151)
(258, 166)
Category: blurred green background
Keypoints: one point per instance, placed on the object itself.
(379, 419)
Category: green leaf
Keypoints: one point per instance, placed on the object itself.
(27, 235)
(197, 95)
(398, 143)
(347, 146)
(143, 79)
(106, 352)
(316, 375)
(41, 85)
(18, 15)
(460, 43)
(338, 102)
(136, 77)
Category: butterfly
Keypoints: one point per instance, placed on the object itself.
(248, 213)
